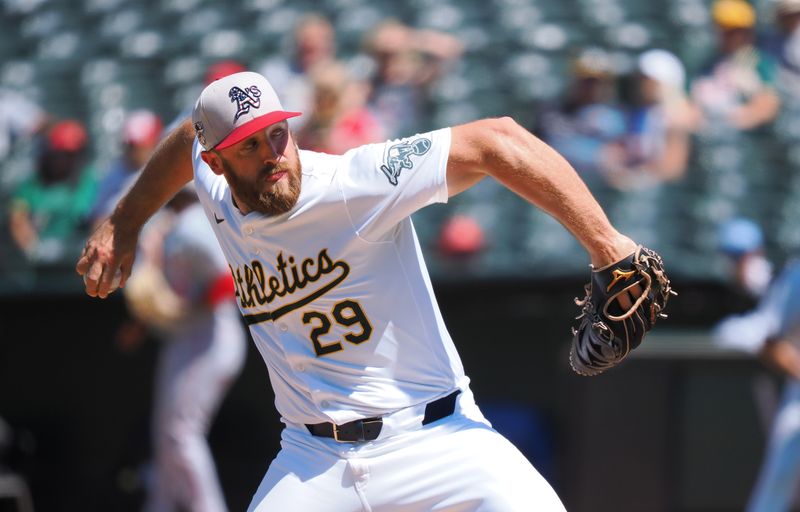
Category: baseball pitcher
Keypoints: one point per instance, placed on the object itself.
(330, 279)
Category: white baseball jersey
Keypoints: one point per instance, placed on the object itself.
(335, 291)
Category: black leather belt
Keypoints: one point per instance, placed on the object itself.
(368, 429)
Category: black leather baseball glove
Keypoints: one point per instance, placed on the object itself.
(622, 302)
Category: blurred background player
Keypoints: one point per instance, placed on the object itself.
(49, 209)
(184, 291)
(770, 331)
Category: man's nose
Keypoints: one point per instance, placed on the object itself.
(271, 154)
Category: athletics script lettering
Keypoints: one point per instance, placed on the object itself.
(255, 288)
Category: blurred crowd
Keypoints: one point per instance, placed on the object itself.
(623, 130)
(646, 138)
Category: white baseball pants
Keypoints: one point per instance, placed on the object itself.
(457, 464)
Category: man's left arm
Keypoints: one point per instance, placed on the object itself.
(506, 151)
(628, 288)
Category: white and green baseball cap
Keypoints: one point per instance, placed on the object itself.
(234, 107)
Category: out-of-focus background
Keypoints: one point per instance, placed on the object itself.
(683, 117)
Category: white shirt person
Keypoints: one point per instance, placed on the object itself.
(334, 288)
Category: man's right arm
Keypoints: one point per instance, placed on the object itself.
(112, 246)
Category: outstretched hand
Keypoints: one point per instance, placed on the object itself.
(107, 250)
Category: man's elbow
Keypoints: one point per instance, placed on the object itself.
(501, 127)
(488, 145)
(504, 139)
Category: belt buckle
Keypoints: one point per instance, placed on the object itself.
(362, 435)
(336, 435)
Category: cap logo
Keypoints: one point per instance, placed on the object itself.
(245, 98)
(198, 130)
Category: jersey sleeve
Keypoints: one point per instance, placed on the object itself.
(383, 184)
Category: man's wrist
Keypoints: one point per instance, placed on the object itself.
(617, 247)
(125, 221)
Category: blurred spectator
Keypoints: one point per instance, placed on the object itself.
(737, 88)
(19, 118)
(772, 332)
(787, 16)
(313, 43)
(742, 241)
(140, 134)
(656, 145)
(406, 63)
(339, 120)
(49, 209)
(586, 127)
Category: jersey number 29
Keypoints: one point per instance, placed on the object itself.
(347, 313)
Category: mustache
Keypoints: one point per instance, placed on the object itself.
(268, 169)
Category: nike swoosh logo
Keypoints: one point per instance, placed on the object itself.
(219, 221)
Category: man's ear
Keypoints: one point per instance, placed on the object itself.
(213, 161)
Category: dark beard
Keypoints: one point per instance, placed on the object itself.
(267, 203)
